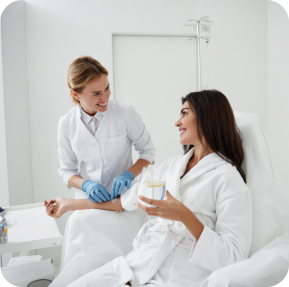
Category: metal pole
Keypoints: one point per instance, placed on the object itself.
(199, 58)
(197, 27)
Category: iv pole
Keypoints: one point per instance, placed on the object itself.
(206, 36)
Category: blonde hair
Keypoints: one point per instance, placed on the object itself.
(81, 71)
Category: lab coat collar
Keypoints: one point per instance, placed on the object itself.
(87, 118)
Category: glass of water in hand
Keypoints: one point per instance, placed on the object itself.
(151, 185)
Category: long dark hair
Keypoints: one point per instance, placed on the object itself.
(216, 122)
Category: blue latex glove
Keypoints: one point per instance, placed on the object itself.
(95, 191)
(120, 182)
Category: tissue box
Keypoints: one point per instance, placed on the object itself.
(24, 260)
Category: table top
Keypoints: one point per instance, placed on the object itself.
(29, 227)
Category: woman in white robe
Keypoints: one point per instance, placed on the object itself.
(204, 224)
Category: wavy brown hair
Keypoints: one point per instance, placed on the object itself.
(216, 122)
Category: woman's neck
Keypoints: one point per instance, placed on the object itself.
(89, 113)
(199, 153)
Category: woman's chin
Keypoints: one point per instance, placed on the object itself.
(182, 142)
(101, 110)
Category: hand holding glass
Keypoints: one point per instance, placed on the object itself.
(151, 185)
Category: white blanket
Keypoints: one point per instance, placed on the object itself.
(218, 196)
(93, 238)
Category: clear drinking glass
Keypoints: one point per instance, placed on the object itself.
(151, 185)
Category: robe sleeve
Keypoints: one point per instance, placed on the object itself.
(230, 242)
(67, 158)
(139, 136)
(129, 198)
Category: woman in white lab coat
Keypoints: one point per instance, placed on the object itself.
(95, 137)
(95, 141)
(206, 221)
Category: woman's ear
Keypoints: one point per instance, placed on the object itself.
(74, 94)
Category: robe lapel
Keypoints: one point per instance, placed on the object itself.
(179, 171)
(205, 165)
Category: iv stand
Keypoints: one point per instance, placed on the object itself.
(198, 37)
(199, 57)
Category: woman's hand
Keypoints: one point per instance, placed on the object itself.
(170, 208)
(56, 207)
(173, 209)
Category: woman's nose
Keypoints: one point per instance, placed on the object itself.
(177, 123)
(104, 96)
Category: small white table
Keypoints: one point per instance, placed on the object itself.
(29, 227)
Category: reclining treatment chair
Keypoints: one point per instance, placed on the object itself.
(269, 256)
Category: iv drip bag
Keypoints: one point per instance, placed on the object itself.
(205, 28)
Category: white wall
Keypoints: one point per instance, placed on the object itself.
(163, 70)
(16, 104)
(278, 88)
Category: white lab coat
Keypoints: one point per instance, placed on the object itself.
(99, 158)
(218, 196)
(102, 157)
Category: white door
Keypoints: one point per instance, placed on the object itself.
(152, 73)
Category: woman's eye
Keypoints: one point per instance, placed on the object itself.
(96, 94)
(184, 113)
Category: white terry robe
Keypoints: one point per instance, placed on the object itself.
(218, 196)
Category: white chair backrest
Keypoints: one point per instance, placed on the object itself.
(270, 203)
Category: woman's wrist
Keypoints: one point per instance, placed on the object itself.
(68, 205)
(186, 215)
(136, 169)
(192, 223)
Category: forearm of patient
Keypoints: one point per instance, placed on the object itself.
(82, 204)
(58, 206)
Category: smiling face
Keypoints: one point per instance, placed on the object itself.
(94, 96)
(187, 125)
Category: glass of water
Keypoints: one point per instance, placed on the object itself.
(151, 185)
